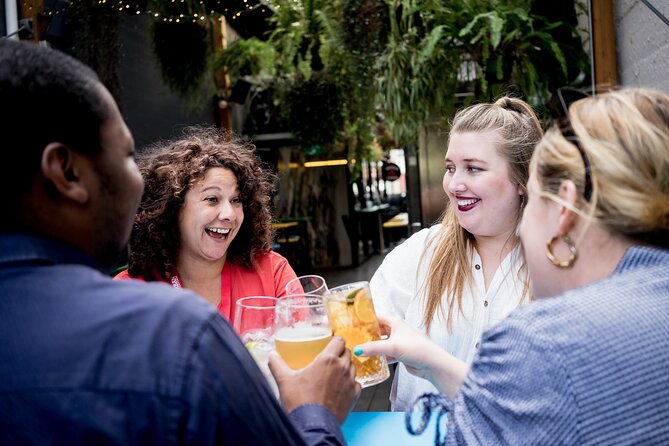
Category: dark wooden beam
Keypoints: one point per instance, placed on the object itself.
(603, 37)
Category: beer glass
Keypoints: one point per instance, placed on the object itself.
(352, 317)
(301, 328)
(310, 284)
(254, 323)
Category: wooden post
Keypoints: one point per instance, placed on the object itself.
(604, 45)
(33, 9)
(221, 78)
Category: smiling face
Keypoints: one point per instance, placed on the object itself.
(477, 182)
(211, 216)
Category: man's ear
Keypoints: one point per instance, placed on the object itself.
(62, 169)
(569, 193)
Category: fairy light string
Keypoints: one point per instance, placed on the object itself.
(166, 10)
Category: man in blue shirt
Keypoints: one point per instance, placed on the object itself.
(86, 360)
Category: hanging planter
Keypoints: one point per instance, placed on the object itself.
(365, 26)
(314, 111)
(246, 57)
(182, 50)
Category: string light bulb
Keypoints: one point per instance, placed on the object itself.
(134, 7)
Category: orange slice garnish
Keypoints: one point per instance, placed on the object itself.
(364, 308)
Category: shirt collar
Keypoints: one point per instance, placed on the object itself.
(642, 256)
(18, 248)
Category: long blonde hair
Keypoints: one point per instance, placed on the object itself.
(625, 135)
(517, 130)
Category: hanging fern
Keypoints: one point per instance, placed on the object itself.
(246, 57)
(313, 110)
(476, 47)
(182, 51)
(365, 26)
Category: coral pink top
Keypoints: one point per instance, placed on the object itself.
(268, 278)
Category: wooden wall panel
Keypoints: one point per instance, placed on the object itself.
(604, 45)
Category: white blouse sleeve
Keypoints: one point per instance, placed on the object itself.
(394, 282)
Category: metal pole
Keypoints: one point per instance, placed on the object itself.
(592, 50)
(11, 19)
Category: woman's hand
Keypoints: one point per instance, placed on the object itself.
(402, 343)
(421, 357)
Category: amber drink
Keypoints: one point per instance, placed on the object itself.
(351, 315)
(301, 328)
(298, 346)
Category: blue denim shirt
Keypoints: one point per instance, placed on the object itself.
(88, 360)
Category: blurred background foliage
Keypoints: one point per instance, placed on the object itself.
(353, 76)
(476, 50)
(357, 77)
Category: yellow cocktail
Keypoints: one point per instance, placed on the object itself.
(301, 328)
(351, 315)
(298, 346)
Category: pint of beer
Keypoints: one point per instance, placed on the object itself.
(301, 328)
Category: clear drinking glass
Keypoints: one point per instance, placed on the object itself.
(301, 328)
(310, 284)
(351, 314)
(254, 323)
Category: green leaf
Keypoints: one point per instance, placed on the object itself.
(468, 28)
(559, 55)
(496, 25)
(432, 40)
(520, 13)
(499, 67)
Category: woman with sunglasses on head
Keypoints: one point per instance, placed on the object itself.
(588, 365)
(458, 278)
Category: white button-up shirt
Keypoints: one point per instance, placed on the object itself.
(399, 289)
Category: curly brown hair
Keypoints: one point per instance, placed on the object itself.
(170, 169)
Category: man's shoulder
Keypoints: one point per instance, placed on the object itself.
(130, 335)
(89, 295)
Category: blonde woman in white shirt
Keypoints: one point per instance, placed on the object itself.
(458, 278)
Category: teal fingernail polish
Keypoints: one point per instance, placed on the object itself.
(357, 351)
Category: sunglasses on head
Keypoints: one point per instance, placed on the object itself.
(559, 107)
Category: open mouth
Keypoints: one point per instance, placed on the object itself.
(466, 205)
(218, 233)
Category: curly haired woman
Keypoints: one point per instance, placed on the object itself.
(204, 222)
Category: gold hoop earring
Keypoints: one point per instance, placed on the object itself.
(557, 262)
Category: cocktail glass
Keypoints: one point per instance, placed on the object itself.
(254, 323)
(301, 328)
(309, 284)
(352, 317)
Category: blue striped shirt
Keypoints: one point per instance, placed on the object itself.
(587, 367)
